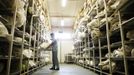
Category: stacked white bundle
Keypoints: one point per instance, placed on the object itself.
(3, 29)
(91, 63)
(104, 20)
(47, 59)
(27, 53)
(132, 53)
(105, 65)
(114, 26)
(81, 33)
(128, 50)
(101, 14)
(19, 40)
(107, 55)
(81, 61)
(21, 13)
(117, 3)
(78, 56)
(87, 62)
(118, 53)
(130, 34)
(91, 1)
(77, 43)
(93, 24)
(95, 33)
(44, 45)
(32, 63)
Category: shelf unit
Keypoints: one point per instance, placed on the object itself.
(106, 46)
(27, 23)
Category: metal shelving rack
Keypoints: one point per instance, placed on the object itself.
(111, 40)
(33, 42)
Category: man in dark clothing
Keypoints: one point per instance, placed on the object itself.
(54, 53)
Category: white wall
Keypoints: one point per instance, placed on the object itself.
(65, 46)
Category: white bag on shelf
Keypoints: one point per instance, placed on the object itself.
(130, 34)
(116, 4)
(19, 40)
(114, 26)
(81, 35)
(128, 50)
(132, 53)
(118, 54)
(93, 24)
(21, 17)
(95, 33)
(44, 45)
(100, 14)
(32, 63)
(47, 59)
(91, 63)
(105, 65)
(104, 20)
(3, 29)
(27, 53)
(81, 61)
(20, 14)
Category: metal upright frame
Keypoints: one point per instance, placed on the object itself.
(11, 43)
(123, 44)
(22, 46)
(108, 36)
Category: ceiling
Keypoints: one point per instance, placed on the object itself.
(67, 13)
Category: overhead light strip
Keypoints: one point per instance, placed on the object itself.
(64, 2)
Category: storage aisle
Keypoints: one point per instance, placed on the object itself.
(65, 69)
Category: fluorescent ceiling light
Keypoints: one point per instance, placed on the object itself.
(64, 3)
(62, 22)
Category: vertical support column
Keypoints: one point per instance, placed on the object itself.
(93, 56)
(85, 65)
(100, 55)
(37, 60)
(31, 29)
(22, 46)
(89, 49)
(99, 40)
(11, 43)
(35, 48)
(123, 44)
(108, 36)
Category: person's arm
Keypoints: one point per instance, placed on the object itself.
(51, 44)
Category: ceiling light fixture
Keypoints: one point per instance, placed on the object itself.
(62, 22)
(64, 3)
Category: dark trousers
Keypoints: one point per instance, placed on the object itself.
(55, 59)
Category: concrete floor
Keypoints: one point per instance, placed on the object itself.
(65, 69)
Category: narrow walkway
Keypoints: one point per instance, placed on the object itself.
(65, 69)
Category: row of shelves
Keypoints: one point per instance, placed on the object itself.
(109, 45)
(25, 31)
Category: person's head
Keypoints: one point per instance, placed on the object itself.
(52, 35)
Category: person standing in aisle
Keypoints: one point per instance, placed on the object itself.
(53, 45)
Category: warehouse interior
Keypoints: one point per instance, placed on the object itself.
(93, 37)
